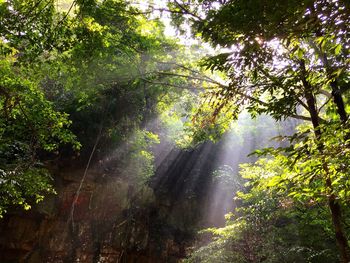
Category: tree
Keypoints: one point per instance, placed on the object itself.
(89, 77)
(286, 59)
(29, 123)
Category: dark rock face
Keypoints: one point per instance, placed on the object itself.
(113, 221)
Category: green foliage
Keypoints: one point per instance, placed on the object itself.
(24, 108)
(226, 178)
(269, 224)
(28, 124)
(306, 164)
(22, 187)
(34, 29)
(140, 159)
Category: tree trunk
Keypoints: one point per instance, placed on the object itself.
(333, 205)
(338, 228)
(147, 108)
(336, 92)
(338, 100)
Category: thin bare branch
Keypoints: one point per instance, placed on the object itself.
(324, 104)
(171, 85)
(186, 11)
(204, 78)
(326, 93)
(302, 104)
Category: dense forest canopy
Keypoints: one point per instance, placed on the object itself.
(64, 69)
(79, 78)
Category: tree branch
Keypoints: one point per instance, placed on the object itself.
(170, 84)
(204, 78)
(187, 11)
(326, 93)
